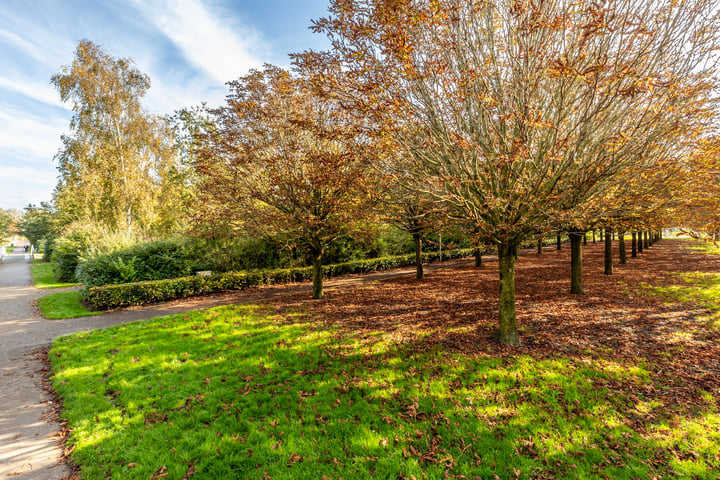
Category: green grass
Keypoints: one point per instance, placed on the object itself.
(239, 392)
(63, 305)
(699, 288)
(43, 274)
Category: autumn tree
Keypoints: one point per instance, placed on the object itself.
(520, 102)
(699, 208)
(284, 159)
(7, 223)
(115, 166)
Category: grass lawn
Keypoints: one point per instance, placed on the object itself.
(43, 274)
(63, 305)
(701, 288)
(239, 392)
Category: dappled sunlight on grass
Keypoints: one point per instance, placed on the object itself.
(235, 392)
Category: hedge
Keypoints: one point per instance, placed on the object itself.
(153, 291)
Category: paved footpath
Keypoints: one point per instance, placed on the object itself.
(28, 441)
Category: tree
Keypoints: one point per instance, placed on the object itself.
(115, 167)
(7, 221)
(287, 160)
(415, 215)
(38, 223)
(699, 207)
(526, 107)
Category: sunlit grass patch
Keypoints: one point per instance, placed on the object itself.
(705, 247)
(43, 274)
(239, 392)
(700, 288)
(63, 305)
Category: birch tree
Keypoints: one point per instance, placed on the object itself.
(114, 165)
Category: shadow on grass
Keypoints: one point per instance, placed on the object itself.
(241, 392)
(61, 305)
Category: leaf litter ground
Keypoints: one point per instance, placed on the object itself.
(403, 379)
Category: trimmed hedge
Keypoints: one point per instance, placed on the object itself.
(143, 293)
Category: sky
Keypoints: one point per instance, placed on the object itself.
(189, 49)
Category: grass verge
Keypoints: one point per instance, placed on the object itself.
(43, 274)
(701, 288)
(241, 392)
(63, 305)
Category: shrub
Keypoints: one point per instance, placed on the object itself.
(69, 247)
(48, 245)
(234, 254)
(145, 261)
(143, 293)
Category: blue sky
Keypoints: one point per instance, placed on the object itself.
(189, 48)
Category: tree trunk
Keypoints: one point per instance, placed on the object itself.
(576, 263)
(558, 241)
(621, 248)
(601, 235)
(539, 245)
(608, 252)
(507, 321)
(640, 242)
(593, 235)
(647, 240)
(584, 238)
(633, 252)
(478, 257)
(418, 257)
(317, 276)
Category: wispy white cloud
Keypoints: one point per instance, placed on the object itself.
(221, 50)
(36, 137)
(22, 184)
(24, 45)
(42, 92)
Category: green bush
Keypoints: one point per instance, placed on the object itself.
(234, 254)
(68, 249)
(48, 246)
(143, 293)
(145, 261)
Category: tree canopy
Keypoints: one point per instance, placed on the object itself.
(284, 160)
(526, 108)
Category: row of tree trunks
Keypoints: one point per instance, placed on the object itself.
(639, 242)
(576, 242)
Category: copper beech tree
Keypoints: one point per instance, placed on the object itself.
(520, 102)
(284, 159)
(700, 206)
